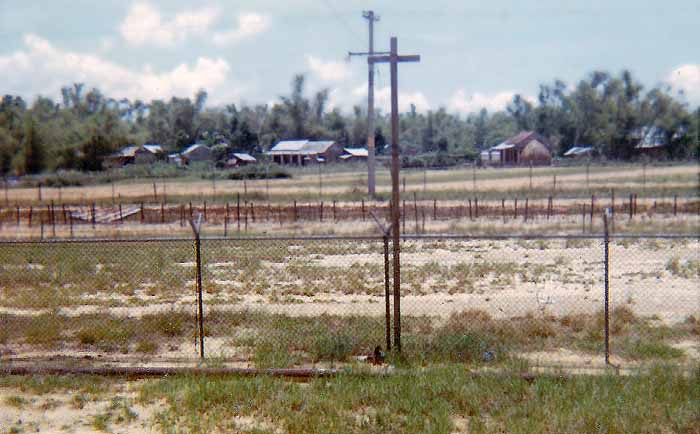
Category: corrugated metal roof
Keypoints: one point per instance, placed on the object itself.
(192, 148)
(521, 139)
(317, 147)
(129, 151)
(301, 147)
(578, 150)
(357, 152)
(502, 147)
(651, 137)
(244, 157)
(289, 146)
(155, 149)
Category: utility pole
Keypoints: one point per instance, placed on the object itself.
(371, 181)
(394, 59)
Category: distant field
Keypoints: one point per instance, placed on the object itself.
(460, 183)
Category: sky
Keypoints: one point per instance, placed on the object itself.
(474, 54)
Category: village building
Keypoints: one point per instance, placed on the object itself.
(525, 148)
(303, 152)
(239, 159)
(144, 154)
(175, 159)
(351, 155)
(651, 141)
(196, 152)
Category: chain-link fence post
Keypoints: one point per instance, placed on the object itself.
(386, 291)
(198, 274)
(606, 243)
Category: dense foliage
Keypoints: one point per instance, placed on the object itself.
(602, 110)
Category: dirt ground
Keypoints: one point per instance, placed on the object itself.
(71, 412)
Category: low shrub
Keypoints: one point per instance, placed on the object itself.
(259, 171)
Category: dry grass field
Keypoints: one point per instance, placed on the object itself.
(307, 185)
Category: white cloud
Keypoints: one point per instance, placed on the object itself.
(382, 99)
(465, 104)
(328, 71)
(40, 62)
(249, 24)
(686, 78)
(144, 25)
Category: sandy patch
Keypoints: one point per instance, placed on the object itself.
(54, 413)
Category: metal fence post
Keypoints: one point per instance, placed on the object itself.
(198, 262)
(387, 314)
(386, 291)
(607, 288)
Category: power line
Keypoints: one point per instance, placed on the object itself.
(344, 22)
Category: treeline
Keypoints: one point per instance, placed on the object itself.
(76, 133)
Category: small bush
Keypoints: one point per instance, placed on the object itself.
(273, 355)
(689, 269)
(336, 347)
(146, 347)
(459, 347)
(650, 349)
(576, 323)
(470, 318)
(259, 171)
(538, 327)
(107, 334)
(167, 324)
(43, 329)
(620, 320)
(16, 401)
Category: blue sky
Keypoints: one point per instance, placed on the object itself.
(474, 54)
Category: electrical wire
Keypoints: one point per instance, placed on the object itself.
(343, 21)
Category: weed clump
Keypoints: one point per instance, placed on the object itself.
(689, 269)
(43, 330)
(171, 324)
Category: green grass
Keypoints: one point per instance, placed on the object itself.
(42, 384)
(435, 400)
(280, 340)
(146, 347)
(16, 401)
(43, 330)
(100, 422)
(118, 412)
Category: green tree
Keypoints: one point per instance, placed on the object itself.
(32, 160)
(521, 110)
(296, 108)
(93, 151)
(8, 149)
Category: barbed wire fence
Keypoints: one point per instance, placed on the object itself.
(585, 301)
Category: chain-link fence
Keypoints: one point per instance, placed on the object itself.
(322, 301)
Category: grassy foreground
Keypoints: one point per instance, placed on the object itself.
(440, 399)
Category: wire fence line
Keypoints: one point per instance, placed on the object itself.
(576, 300)
(54, 219)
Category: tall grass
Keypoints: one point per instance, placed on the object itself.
(437, 400)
